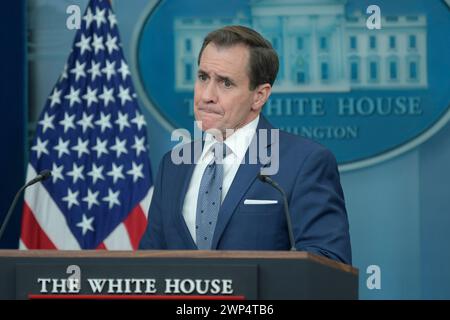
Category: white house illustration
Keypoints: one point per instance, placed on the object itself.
(320, 46)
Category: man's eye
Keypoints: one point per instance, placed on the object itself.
(227, 83)
(202, 77)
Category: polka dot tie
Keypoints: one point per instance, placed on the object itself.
(209, 198)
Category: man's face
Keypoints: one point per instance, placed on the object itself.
(222, 98)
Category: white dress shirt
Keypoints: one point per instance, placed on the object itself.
(238, 143)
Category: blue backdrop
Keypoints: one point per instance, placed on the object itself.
(13, 101)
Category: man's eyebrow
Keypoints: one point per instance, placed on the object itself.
(218, 77)
(223, 78)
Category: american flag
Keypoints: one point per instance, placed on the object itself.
(92, 136)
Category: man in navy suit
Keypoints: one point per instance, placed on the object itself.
(237, 68)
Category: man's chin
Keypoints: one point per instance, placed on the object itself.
(211, 128)
(205, 123)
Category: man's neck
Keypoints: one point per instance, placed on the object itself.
(229, 132)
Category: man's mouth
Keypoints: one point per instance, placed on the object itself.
(210, 110)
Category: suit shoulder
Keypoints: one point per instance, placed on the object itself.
(306, 154)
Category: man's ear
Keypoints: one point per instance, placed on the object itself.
(262, 93)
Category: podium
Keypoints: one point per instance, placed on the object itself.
(221, 275)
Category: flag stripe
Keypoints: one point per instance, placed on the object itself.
(35, 238)
(118, 239)
(145, 203)
(51, 219)
(101, 246)
(136, 223)
(22, 245)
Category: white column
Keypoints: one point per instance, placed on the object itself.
(342, 62)
(286, 51)
(313, 71)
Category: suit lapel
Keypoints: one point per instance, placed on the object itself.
(245, 176)
(185, 174)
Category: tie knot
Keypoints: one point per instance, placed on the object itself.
(220, 150)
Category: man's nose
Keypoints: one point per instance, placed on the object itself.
(209, 94)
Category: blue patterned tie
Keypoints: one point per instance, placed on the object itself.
(209, 198)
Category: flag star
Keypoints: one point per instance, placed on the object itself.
(64, 74)
(57, 172)
(139, 120)
(96, 173)
(67, 122)
(62, 147)
(97, 43)
(116, 172)
(88, 17)
(109, 69)
(55, 97)
(136, 171)
(94, 70)
(86, 122)
(76, 173)
(47, 122)
(81, 147)
(124, 70)
(71, 198)
(103, 122)
(83, 44)
(78, 71)
(119, 147)
(124, 95)
(91, 198)
(122, 121)
(73, 96)
(112, 19)
(90, 96)
(111, 43)
(112, 198)
(107, 95)
(138, 145)
(99, 17)
(40, 147)
(86, 224)
(100, 147)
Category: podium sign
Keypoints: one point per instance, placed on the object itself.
(123, 280)
(225, 275)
